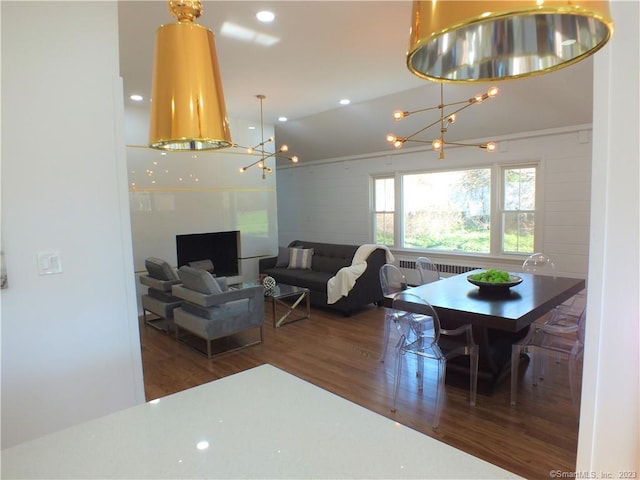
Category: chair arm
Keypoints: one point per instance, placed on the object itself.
(256, 291)
(162, 285)
(462, 329)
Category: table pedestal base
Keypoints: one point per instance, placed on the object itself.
(495, 360)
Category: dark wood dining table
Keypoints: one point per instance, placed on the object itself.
(499, 317)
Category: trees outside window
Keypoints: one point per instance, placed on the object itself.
(453, 211)
(384, 211)
(518, 209)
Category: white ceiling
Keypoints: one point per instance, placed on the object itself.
(328, 50)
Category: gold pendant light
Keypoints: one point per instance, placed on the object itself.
(466, 41)
(188, 111)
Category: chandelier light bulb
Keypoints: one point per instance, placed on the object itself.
(443, 123)
(261, 152)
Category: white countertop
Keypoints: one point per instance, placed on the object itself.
(261, 423)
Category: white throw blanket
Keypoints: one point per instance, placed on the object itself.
(341, 284)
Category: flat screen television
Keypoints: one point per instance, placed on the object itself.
(219, 247)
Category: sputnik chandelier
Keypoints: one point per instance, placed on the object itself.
(260, 148)
(446, 119)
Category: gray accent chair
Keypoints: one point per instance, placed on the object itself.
(210, 311)
(159, 300)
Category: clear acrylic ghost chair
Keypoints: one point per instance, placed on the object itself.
(540, 264)
(427, 270)
(392, 281)
(436, 343)
(560, 335)
(565, 320)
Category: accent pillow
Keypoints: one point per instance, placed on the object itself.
(283, 257)
(300, 258)
(199, 280)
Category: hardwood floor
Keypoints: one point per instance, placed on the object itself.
(341, 355)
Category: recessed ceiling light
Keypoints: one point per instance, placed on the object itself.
(245, 34)
(265, 16)
(252, 127)
(136, 98)
(282, 119)
(345, 101)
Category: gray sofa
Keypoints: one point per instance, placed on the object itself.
(326, 260)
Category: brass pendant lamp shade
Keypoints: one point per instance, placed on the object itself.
(466, 41)
(188, 111)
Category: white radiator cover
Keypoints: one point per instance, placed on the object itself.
(407, 266)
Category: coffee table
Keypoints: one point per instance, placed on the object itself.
(293, 296)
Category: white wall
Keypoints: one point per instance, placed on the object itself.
(70, 344)
(189, 192)
(609, 419)
(330, 201)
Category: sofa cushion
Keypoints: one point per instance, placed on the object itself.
(300, 258)
(283, 257)
(162, 296)
(160, 270)
(199, 280)
(329, 264)
(310, 279)
(328, 257)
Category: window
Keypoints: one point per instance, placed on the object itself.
(384, 211)
(480, 210)
(518, 209)
(448, 210)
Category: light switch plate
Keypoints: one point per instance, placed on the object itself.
(49, 262)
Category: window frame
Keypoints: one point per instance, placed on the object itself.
(497, 190)
(500, 210)
(375, 212)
